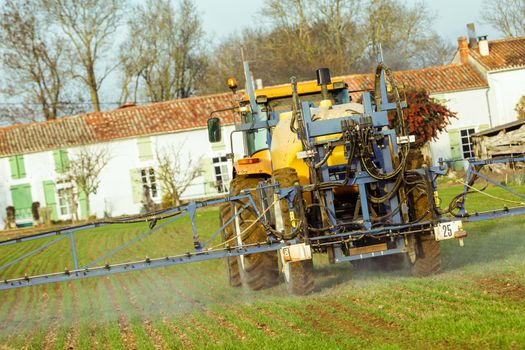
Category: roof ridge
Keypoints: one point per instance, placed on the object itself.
(512, 38)
(40, 122)
(111, 111)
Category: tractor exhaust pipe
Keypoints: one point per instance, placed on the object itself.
(323, 80)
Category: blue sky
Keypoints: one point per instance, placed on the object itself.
(222, 17)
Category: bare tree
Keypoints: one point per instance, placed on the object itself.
(163, 57)
(18, 113)
(298, 36)
(176, 171)
(507, 16)
(84, 171)
(405, 35)
(33, 59)
(90, 26)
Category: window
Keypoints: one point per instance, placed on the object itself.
(18, 169)
(222, 179)
(466, 143)
(149, 179)
(65, 197)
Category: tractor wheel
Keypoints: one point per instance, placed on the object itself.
(299, 275)
(232, 265)
(428, 260)
(258, 271)
(427, 251)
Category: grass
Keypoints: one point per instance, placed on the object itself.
(477, 302)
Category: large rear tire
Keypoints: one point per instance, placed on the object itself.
(232, 264)
(428, 257)
(427, 251)
(258, 271)
(299, 275)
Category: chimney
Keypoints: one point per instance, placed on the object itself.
(472, 41)
(463, 49)
(258, 84)
(483, 45)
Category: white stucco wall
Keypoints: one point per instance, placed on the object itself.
(5, 196)
(114, 195)
(472, 112)
(506, 88)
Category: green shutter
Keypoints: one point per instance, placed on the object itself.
(61, 159)
(136, 185)
(82, 202)
(58, 162)
(22, 201)
(18, 169)
(14, 167)
(50, 197)
(144, 146)
(21, 166)
(65, 159)
(209, 176)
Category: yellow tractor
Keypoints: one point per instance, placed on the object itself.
(346, 165)
(277, 162)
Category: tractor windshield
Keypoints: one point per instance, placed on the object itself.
(257, 140)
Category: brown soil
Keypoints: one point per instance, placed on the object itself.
(176, 330)
(153, 333)
(204, 334)
(127, 335)
(58, 317)
(309, 317)
(21, 326)
(332, 317)
(284, 321)
(364, 304)
(156, 338)
(72, 334)
(15, 303)
(226, 324)
(366, 318)
(263, 327)
(502, 287)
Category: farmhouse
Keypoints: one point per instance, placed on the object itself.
(482, 84)
(35, 157)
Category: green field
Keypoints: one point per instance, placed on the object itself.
(477, 302)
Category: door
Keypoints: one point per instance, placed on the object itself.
(22, 201)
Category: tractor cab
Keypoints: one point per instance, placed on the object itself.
(259, 111)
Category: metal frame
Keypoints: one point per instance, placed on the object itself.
(473, 171)
(201, 253)
(90, 269)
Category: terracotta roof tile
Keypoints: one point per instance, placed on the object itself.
(156, 118)
(503, 54)
(26, 138)
(190, 113)
(439, 79)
